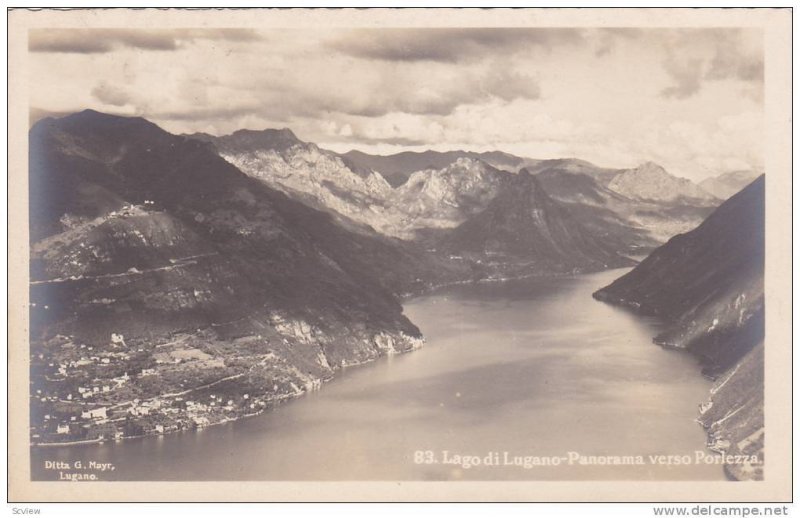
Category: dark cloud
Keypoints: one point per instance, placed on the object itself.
(449, 45)
(416, 91)
(285, 102)
(686, 76)
(729, 63)
(507, 84)
(107, 93)
(434, 99)
(607, 38)
(206, 114)
(391, 141)
(729, 57)
(96, 41)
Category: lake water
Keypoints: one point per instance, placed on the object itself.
(533, 368)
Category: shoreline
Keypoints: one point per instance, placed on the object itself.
(68, 443)
(635, 308)
(404, 297)
(273, 403)
(270, 406)
(41, 447)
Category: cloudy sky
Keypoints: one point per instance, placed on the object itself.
(689, 99)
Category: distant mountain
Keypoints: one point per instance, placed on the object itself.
(399, 167)
(606, 214)
(139, 233)
(431, 191)
(602, 175)
(314, 176)
(709, 283)
(629, 223)
(446, 197)
(576, 187)
(651, 182)
(523, 225)
(727, 184)
(357, 195)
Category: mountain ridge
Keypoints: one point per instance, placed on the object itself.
(192, 257)
(523, 222)
(650, 181)
(397, 168)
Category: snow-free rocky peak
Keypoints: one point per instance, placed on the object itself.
(650, 181)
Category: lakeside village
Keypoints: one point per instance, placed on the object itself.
(83, 393)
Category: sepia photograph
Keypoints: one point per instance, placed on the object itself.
(426, 247)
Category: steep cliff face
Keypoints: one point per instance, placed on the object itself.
(139, 233)
(710, 284)
(523, 225)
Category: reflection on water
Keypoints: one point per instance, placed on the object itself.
(532, 368)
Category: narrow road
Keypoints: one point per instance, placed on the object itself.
(176, 263)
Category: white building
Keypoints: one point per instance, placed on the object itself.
(95, 413)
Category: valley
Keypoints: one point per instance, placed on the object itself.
(184, 281)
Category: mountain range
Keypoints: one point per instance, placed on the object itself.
(398, 168)
(318, 178)
(413, 195)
